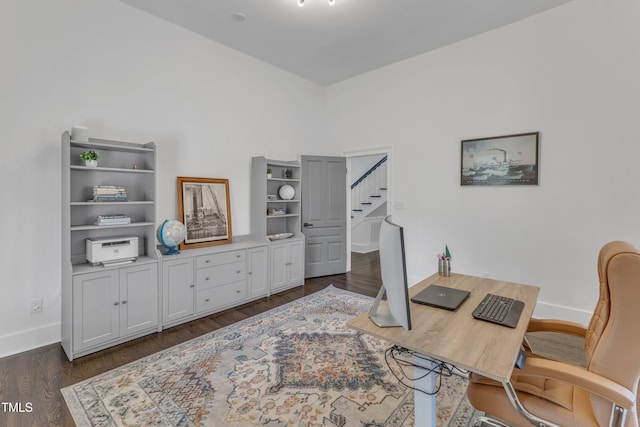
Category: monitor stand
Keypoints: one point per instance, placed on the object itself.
(381, 315)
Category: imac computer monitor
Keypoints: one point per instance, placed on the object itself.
(394, 280)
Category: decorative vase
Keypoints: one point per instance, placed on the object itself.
(91, 163)
(269, 176)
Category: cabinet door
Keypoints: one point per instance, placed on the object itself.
(257, 272)
(138, 298)
(96, 308)
(178, 285)
(279, 259)
(296, 261)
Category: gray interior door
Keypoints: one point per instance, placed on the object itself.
(324, 215)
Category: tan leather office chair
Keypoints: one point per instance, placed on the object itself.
(562, 394)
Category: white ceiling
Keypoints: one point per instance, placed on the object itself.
(327, 44)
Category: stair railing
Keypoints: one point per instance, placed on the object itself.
(368, 187)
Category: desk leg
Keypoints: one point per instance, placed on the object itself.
(425, 405)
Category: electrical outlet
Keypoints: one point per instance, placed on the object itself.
(35, 306)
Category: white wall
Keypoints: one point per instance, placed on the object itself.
(129, 76)
(570, 73)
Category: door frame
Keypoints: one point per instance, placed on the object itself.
(388, 150)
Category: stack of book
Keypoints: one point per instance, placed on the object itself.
(119, 219)
(109, 193)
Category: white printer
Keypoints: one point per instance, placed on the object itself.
(112, 251)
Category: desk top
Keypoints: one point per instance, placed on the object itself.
(455, 336)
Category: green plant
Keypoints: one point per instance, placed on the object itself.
(89, 155)
(268, 170)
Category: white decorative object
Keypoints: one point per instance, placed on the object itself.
(80, 134)
(286, 192)
(279, 236)
(91, 163)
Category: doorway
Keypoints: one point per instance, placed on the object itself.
(353, 159)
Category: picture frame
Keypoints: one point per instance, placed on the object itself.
(500, 160)
(205, 209)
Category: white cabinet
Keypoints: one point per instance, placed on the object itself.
(113, 304)
(177, 289)
(276, 220)
(287, 264)
(258, 283)
(130, 166)
(221, 279)
(202, 281)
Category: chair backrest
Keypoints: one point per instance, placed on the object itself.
(612, 342)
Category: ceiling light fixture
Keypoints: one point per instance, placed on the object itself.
(301, 2)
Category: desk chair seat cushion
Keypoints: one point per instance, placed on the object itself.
(570, 406)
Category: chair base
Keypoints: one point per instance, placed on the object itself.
(484, 421)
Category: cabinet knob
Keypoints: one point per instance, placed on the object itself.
(238, 256)
(250, 273)
(206, 278)
(192, 286)
(287, 263)
(124, 302)
(238, 291)
(238, 271)
(206, 261)
(207, 300)
(116, 303)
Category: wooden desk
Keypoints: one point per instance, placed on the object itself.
(455, 336)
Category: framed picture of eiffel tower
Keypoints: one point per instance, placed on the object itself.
(205, 210)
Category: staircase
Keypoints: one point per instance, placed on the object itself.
(368, 207)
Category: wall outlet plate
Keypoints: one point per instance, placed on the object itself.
(35, 306)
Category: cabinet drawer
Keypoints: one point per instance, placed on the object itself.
(220, 296)
(221, 258)
(220, 275)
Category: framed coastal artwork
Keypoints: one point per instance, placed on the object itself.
(205, 210)
(500, 160)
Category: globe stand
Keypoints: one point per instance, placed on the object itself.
(171, 250)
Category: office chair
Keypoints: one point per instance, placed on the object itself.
(552, 393)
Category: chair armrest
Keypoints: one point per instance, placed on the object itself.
(552, 325)
(581, 378)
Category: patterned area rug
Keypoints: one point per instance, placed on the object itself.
(296, 365)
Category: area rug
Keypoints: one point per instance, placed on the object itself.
(296, 365)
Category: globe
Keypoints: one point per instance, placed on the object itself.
(170, 234)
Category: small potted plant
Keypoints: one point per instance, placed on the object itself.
(90, 158)
(269, 173)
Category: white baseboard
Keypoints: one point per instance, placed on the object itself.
(363, 248)
(29, 339)
(545, 310)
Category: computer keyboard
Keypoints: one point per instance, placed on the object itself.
(501, 310)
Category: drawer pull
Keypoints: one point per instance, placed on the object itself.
(238, 271)
(124, 302)
(288, 263)
(116, 303)
(206, 278)
(250, 273)
(207, 300)
(192, 286)
(238, 256)
(238, 291)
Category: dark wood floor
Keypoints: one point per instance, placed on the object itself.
(36, 376)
